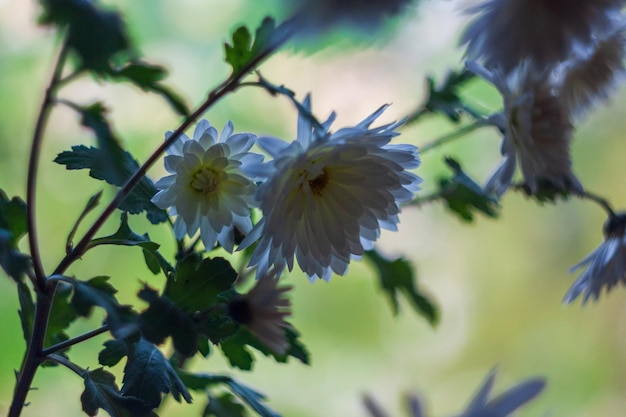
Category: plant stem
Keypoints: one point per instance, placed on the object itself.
(78, 339)
(451, 136)
(228, 86)
(600, 201)
(67, 363)
(33, 167)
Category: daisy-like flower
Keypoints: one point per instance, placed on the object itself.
(327, 195)
(605, 267)
(591, 76)
(263, 311)
(209, 189)
(544, 32)
(537, 131)
(502, 406)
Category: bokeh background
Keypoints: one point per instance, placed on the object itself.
(498, 283)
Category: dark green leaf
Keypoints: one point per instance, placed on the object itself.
(62, 315)
(98, 292)
(148, 374)
(113, 352)
(148, 77)
(242, 49)
(101, 392)
(398, 276)
(91, 204)
(12, 229)
(97, 36)
(27, 309)
(226, 405)
(163, 318)
(199, 282)
(463, 195)
(201, 382)
(237, 353)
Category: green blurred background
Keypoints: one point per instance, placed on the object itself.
(498, 283)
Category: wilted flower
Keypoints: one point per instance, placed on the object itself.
(501, 406)
(208, 189)
(263, 311)
(537, 131)
(327, 196)
(591, 76)
(605, 266)
(544, 32)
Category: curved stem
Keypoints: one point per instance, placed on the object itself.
(33, 165)
(449, 137)
(67, 363)
(600, 201)
(228, 86)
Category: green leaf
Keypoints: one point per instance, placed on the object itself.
(148, 374)
(98, 292)
(93, 202)
(463, 195)
(148, 77)
(101, 392)
(62, 315)
(113, 352)
(396, 277)
(201, 382)
(96, 35)
(242, 49)
(199, 282)
(238, 355)
(13, 226)
(226, 405)
(163, 318)
(27, 309)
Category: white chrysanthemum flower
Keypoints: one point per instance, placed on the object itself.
(591, 76)
(263, 311)
(208, 189)
(537, 131)
(605, 267)
(327, 196)
(502, 406)
(506, 32)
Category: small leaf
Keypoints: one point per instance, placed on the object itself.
(163, 318)
(226, 405)
(27, 309)
(463, 195)
(147, 77)
(13, 227)
(98, 292)
(397, 276)
(199, 282)
(242, 50)
(101, 392)
(91, 205)
(148, 374)
(113, 352)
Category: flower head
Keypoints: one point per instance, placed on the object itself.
(263, 311)
(605, 266)
(537, 131)
(543, 32)
(327, 196)
(502, 406)
(208, 189)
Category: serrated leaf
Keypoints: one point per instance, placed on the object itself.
(199, 282)
(101, 392)
(242, 49)
(98, 292)
(62, 315)
(463, 195)
(113, 352)
(96, 35)
(13, 227)
(148, 374)
(148, 77)
(546, 192)
(226, 405)
(397, 277)
(163, 318)
(201, 382)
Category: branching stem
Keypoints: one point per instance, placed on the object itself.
(74, 341)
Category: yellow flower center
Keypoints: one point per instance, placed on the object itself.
(205, 180)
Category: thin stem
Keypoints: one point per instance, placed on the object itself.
(600, 201)
(67, 363)
(449, 137)
(33, 167)
(229, 86)
(424, 200)
(78, 339)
